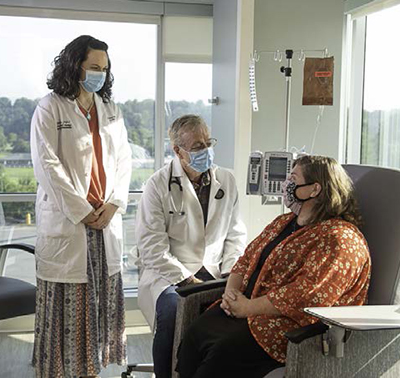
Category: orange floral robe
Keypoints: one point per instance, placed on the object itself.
(320, 265)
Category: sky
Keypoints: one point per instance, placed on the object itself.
(29, 45)
(382, 79)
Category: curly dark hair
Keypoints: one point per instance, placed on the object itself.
(64, 79)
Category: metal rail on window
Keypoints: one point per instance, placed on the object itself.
(17, 197)
(31, 197)
(160, 102)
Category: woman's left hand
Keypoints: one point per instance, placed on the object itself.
(105, 213)
(239, 307)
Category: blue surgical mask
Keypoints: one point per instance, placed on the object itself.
(94, 81)
(201, 161)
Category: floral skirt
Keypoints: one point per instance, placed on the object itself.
(80, 328)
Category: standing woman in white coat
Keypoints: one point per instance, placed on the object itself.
(82, 162)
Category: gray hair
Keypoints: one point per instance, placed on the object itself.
(188, 122)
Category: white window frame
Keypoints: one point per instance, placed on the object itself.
(357, 12)
(354, 51)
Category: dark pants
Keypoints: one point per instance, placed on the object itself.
(217, 346)
(164, 337)
(165, 326)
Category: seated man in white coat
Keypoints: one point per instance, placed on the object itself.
(188, 230)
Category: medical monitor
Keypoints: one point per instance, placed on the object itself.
(276, 169)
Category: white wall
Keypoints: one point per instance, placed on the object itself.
(293, 24)
(231, 123)
(243, 115)
(224, 79)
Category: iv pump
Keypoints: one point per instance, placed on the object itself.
(267, 172)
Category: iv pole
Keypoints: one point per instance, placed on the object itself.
(287, 71)
(288, 76)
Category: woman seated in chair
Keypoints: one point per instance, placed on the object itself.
(313, 256)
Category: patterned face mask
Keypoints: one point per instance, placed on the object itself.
(290, 198)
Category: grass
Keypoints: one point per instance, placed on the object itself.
(14, 174)
(142, 174)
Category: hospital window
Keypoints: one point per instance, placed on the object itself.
(28, 46)
(188, 88)
(375, 79)
(381, 111)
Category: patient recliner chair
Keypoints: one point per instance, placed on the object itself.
(367, 354)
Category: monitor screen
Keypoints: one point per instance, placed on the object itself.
(277, 169)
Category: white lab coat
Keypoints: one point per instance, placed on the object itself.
(61, 146)
(172, 247)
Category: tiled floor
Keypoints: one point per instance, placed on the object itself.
(16, 351)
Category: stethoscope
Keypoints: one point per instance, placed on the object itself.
(176, 181)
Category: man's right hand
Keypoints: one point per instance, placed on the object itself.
(188, 281)
(90, 218)
(196, 280)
